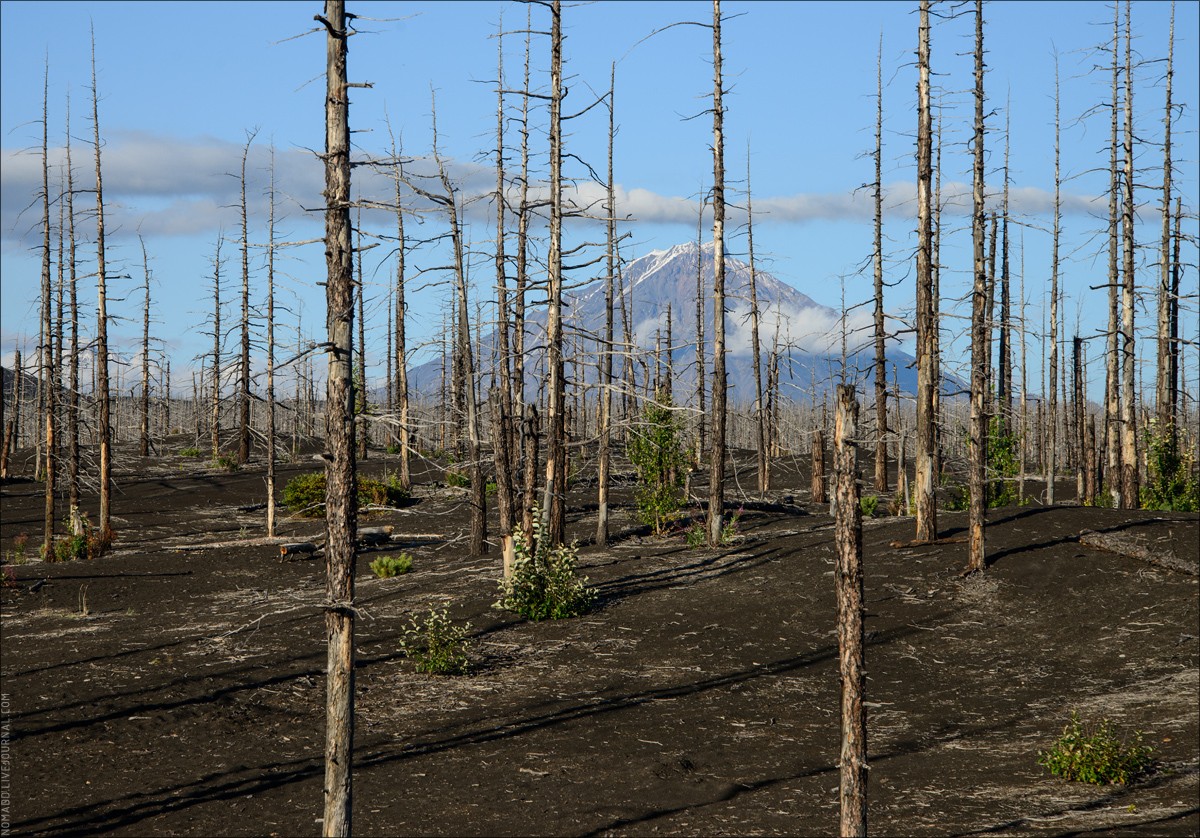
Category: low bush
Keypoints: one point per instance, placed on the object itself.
(190, 452)
(544, 584)
(458, 480)
(385, 567)
(304, 494)
(435, 645)
(869, 504)
(1171, 484)
(1095, 754)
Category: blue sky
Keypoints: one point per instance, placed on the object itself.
(182, 83)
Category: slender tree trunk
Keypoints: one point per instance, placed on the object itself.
(14, 420)
(818, 467)
(271, 353)
(48, 374)
(606, 349)
(701, 373)
(926, 322)
(1129, 455)
(103, 430)
(243, 399)
(361, 396)
(404, 437)
(554, 499)
(341, 500)
(1052, 391)
(720, 394)
(936, 272)
(73, 514)
(215, 423)
(760, 413)
(881, 429)
(144, 436)
(1078, 410)
(1004, 396)
(1112, 379)
(978, 435)
(502, 405)
(848, 536)
(1164, 404)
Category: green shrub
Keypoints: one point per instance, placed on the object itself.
(88, 544)
(1171, 484)
(1096, 754)
(1003, 464)
(656, 452)
(868, 504)
(189, 452)
(436, 646)
(225, 463)
(457, 479)
(695, 535)
(385, 567)
(304, 494)
(544, 584)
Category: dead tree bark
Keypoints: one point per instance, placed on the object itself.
(881, 429)
(701, 373)
(979, 360)
(720, 394)
(361, 397)
(851, 657)
(144, 434)
(926, 510)
(73, 514)
(270, 352)
(49, 376)
(404, 419)
(341, 498)
(502, 406)
(760, 412)
(1129, 456)
(1112, 379)
(1052, 391)
(215, 422)
(606, 348)
(14, 420)
(1078, 411)
(818, 467)
(1004, 385)
(1164, 404)
(243, 396)
(104, 429)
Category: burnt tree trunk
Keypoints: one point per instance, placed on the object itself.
(720, 394)
(926, 507)
(976, 476)
(881, 429)
(104, 428)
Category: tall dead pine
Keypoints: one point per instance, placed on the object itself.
(848, 538)
(976, 478)
(104, 425)
(881, 427)
(341, 501)
(720, 394)
(926, 507)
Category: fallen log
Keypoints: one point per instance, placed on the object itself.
(1134, 549)
(373, 536)
(299, 548)
(252, 507)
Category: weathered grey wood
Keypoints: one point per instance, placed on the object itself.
(818, 466)
(720, 392)
(1134, 549)
(104, 429)
(927, 384)
(849, 576)
(341, 499)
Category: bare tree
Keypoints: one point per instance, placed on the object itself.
(1129, 457)
(760, 413)
(606, 349)
(144, 434)
(215, 421)
(341, 498)
(851, 658)
(1167, 350)
(881, 428)
(1052, 391)
(1112, 369)
(270, 351)
(979, 361)
(243, 394)
(49, 375)
(720, 394)
(73, 513)
(502, 404)
(104, 429)
(926, 507)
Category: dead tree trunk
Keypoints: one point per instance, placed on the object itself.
(881, 429)
(720, 394)
(404, 419)
(103, 429)
(1004, 385)
(49, 375)
(701, 374)
(1052, 391)
(760, 412)
(1164, 404)
(818, 467)
(851, 658)
(243, 397)
(1129, 456)
(270, 352)
(215, 422)
(606, 348)
(73, 513)
(341, 498)
(979, 360)
(502, 406)
(926, 321)
(144, 435)
(1112, 379)
(554, 496)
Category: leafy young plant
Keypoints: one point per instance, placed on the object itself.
(1172, 484)
(1095, 754)
(1003, 464)
(544, 584)
(385, 567)
(189, 452)
(435, 645)
(657, 455)
(868, 504)
(304, 494)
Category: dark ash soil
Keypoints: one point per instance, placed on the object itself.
(169, 691)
